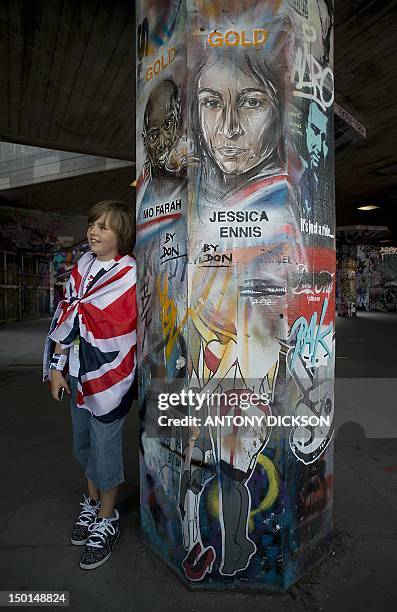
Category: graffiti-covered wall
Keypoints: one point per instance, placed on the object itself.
(367, 279)
(363, 275)
(35, 230)
(383, 279)
(235, 250)
(348, 285)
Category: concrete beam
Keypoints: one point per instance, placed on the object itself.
(22, 165)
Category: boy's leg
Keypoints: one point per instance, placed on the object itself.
(81, 451)
(80, 426)
(92, 490)
(105, 470)
(108, 502)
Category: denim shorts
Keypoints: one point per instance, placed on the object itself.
(97, 446)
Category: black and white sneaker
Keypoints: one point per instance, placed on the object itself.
(103, 534)
(86, 517)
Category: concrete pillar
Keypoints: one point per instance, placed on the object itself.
(236, 258)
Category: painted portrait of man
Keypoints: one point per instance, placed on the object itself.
(314, 188)
(316, 137)
(164, 147)
(161, 120)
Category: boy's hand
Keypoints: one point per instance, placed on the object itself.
(58, 381)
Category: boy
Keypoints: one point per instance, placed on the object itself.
(95, 328)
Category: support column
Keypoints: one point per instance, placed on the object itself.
(347, 281)
(236, 267)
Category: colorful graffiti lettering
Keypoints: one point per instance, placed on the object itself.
(312, 337)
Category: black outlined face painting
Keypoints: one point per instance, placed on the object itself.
(161, 119)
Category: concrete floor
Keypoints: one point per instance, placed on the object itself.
(40, 488)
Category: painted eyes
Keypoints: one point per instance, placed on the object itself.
(216, 103)
(152, 136)
(315, 129)
(212, 103)
(251, 103)
(154, 133)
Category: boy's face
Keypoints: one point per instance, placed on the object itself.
(102, 239)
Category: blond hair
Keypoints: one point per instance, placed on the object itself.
(121, 220)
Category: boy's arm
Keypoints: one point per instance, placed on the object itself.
(61, 348)
(57, 378)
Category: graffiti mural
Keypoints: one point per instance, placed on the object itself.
(383, 279)
(367, 279)
(235, 248)
(35, 230)
(347, 283)
(363, 277)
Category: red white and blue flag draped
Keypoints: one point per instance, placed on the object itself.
(104, 315)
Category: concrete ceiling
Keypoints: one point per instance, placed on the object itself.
(67, 75)
(366, 83)
(67, 82)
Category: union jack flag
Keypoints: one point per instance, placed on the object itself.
(103, 314)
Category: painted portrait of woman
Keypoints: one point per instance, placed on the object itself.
(236, 125)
